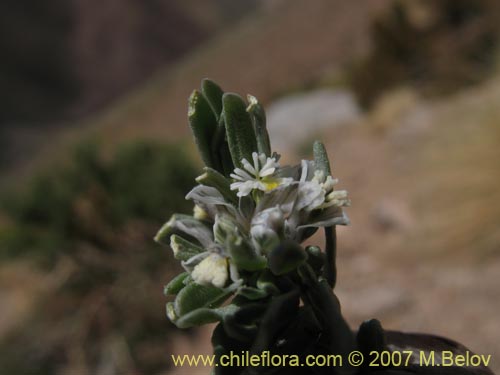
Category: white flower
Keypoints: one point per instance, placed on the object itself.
(211, 270)
(318, 192)
(259, 176)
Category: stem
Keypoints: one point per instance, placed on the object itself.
(330, 270)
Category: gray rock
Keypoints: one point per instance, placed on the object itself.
(296, 118)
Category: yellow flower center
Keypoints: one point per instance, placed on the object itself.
(270, 184)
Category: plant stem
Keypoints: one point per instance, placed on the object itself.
(330, 271)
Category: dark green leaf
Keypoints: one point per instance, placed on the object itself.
(176, 284)
(286, 257)
(194, 296)
(321, 162)
(268, 282)
(252, 293)
(280, 311)
(183, 249)
(239, 129)
(316, 258)
(203, 126)
(258, 116)
(244, 256)
(213, 94)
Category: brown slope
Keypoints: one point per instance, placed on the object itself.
(281, 47)
(423, 251)
(290, 44)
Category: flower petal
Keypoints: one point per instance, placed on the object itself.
(211, 270)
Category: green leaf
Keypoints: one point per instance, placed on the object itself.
(258, 116)
(301, 333)
(321, 162)
(337, 335)
(286, 257)
(316, 258)
(176, 284)
(225, 156)
(184, 225)
(203, 126)
(244, 256)
(216, 180)
(198, 317)
(183, 249)
(213, 94)
(204, 315)
(268, 282)
(224, 344)
(280, 311)
(239, 129)
(219, 147)
(194, 296)
(242, 323)
(252, 293)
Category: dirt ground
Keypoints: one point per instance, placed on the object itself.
(423, 251)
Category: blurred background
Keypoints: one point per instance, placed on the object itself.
(95, 154)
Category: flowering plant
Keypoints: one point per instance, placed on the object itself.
(245, 265)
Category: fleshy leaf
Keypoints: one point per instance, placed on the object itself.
(213, 94)
(184, 249)
(239, 128)
(225, 229)
(321, 162)
(244, 256)
(176, 284)
(268, 282)
(286, 257)
(209, 198)
(280, 311)
(337, 334)
(216, 180)
(194, 296)
(252, 293)
(258, 116)
(184, 224)
(205, 315)
(198, 317)
(302, 332)
(242, 325)
(316, 258)
(219, 147)
(203, 126)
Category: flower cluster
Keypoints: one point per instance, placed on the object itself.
(246, 207)
(227, 236)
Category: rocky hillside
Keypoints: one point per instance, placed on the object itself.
(269, 53)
